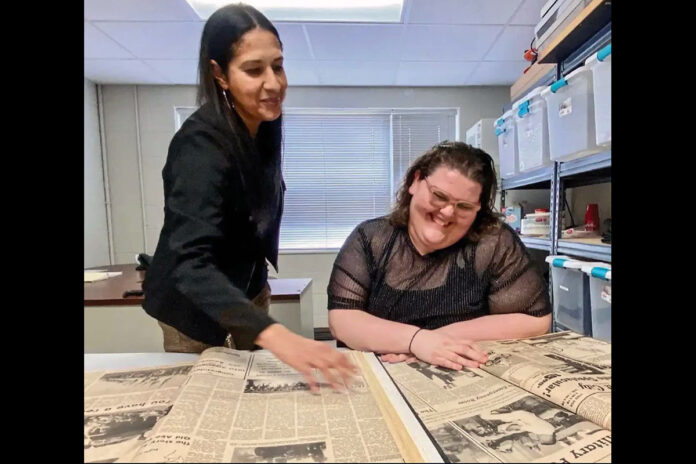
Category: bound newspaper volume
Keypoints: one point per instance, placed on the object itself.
(544, 399)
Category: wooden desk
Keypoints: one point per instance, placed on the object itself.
(114, 324)
(109, 292)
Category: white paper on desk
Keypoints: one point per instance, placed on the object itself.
(94, 276)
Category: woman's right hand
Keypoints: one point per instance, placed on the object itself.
(440, 349)
(304, 355)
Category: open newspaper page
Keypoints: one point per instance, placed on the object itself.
(241, 406)
(568, 369)
(122, 406)
(476, 417)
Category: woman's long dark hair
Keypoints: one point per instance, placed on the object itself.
(219, 41)
(472, 162)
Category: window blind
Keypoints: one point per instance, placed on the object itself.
(337, 171)
(417, 131)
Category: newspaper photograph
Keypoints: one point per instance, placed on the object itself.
(573, 345)
(121, 407)
(565, 368)
(476, 417)
(241, 406)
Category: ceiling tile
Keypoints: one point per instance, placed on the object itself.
(529, 13)
(511, 44)
(433, 73)
(122, 72)
(156, 40)
(357, 72)
(139, 10)
(294, 41)
(355, 41)
(497, 72)
(99, 45)
(301, 72)
(176, 71)
(444, 43)
(462, 11)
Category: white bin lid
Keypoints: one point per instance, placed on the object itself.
(593, 59)
(598, 270)
(535, 92)
(563, 261)
(506, 115)
(499, 124)
(569, 263)
(581, 70)
(577, 72)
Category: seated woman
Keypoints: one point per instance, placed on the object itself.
(438, 273)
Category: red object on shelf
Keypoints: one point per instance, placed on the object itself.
(592, 217)
(531, 54)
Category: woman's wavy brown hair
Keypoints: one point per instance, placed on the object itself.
(473, 163)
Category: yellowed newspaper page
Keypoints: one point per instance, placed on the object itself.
(240, 406)
(568, 369)
(411, 438)
(476, 417)
(121, 407)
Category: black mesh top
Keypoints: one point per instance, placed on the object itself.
(379, 270)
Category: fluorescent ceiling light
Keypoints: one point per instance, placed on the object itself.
(372, 11)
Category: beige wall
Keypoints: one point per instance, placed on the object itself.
(140, 122)
(96, 243)
(474, 103)
(582, 196)
(120, 139)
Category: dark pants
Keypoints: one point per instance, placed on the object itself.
(177, 342)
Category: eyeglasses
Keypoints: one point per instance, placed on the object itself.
(439, 199)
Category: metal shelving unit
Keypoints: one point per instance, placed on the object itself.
(559, 176)
(600, 252)
(539, 178)
(589, 170)
(538, 243)
(536, 179)
(593, 169)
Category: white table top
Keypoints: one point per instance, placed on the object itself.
(109, 361)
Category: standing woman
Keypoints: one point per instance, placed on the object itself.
(223, 191)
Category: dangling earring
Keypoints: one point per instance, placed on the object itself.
(227, 101)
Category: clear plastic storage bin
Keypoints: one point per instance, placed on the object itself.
(570, 109)
(600, 299)
(532, 131)
(507, 144)
(600, 64)
(571, 294)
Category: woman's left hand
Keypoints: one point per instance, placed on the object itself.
(397, 357)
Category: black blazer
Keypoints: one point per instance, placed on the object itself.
(223, 201)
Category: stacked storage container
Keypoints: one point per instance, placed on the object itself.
(600, 299)
(570, 109)
(507, 144)
(532, 131)
(571, 294)
(600, 64)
